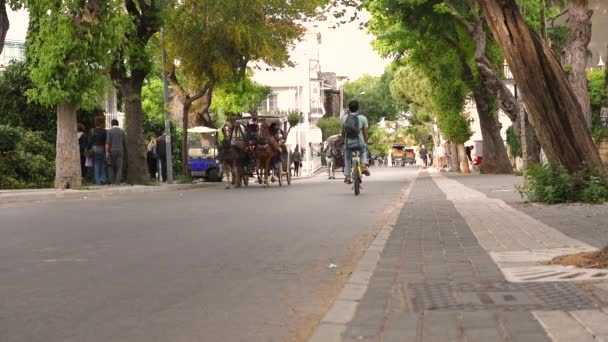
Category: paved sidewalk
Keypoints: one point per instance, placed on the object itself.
(38, 195)
(584, 222)
(461, 266)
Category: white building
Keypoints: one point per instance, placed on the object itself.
(298, 89)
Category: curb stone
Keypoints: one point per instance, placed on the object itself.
(49, 195)
(344, 307)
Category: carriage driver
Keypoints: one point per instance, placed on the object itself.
(251, 131)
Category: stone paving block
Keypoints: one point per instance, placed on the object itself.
(483, 335)
(478, 320)
(562, 327)
(328, 333)
(519, 323)
(341, 312)
(529, 337)
(594, 320)
(353, 292)
(440, 324)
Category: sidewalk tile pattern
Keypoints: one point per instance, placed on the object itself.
(434, 282)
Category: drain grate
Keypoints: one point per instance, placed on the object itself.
(499, 296)
(552, 273)
(527, 266)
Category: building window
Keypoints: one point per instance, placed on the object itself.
(13, 50)
(269, 104)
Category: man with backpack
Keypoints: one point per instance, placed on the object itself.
(354, 134)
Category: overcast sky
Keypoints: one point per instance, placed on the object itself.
(346, 51)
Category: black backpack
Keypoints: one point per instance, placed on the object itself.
(351, 126)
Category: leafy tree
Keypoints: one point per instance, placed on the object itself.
(374, 96)
(26, 159)
(68, 44)
(597, 92)
(230, 34)
(236, 97)
(133, 61)
(16, 111)
(554, 110)
(441, 38)
(330, 126)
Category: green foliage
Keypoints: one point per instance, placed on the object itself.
(513, 142)
(237, 97)
(597, 87)
(67, 59)
(599, 133)
(374, 96)
(215, 40)
(330, 126)
(16, 111)
(294, 118)
(184, 180)
(552, 184)
(26, 159)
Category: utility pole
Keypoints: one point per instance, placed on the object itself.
(167, 119)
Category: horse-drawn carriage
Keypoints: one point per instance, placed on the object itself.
(334, 154)
(256, 144)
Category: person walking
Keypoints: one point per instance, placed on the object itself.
(152, 158)
(97, 142)
(161, 151)
(468, 151)
(297, 160)
(115, 147)
(424, 156)
(83, 141)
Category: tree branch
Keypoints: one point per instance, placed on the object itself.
(461, 18)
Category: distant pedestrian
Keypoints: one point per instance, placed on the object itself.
(447, 155)
(423, 155)
(115, 148)
(83, 141)
(468, 150)
(152, 158)
(297, 160)
(161, 150)
(97, 142)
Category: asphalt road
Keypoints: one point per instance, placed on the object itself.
(200, 265)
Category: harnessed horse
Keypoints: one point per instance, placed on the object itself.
(266, 150)
(232, 159)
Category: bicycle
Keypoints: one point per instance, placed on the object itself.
(356, 172)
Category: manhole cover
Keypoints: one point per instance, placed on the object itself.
(499, 296)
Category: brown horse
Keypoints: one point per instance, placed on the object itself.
(265, 151)
(231, 158)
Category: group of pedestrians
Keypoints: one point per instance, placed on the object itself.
(103, 151)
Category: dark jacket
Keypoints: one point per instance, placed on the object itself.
(161, 146)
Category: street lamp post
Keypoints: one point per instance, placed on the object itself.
(169, 161)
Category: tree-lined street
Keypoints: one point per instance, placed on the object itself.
(199, 265)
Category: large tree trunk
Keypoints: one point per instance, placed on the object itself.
(552, 104)
(67, 158)
(4, 23)
(495, 157)
(574, 56)
(137, 169)
(532, 145)
(202, 117)
(464, 160)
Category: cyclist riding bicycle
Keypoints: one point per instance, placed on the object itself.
(354, 134)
